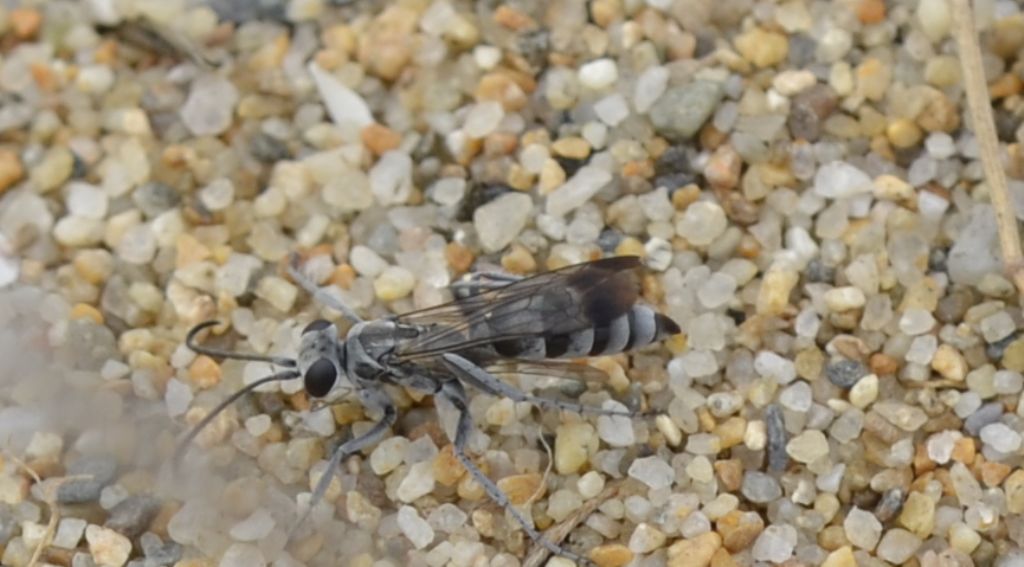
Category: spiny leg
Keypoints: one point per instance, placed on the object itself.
(487, 382)
(371, 436)
(454, 393)
(319, 294)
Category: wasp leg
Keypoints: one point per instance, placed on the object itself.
(454, 393)
(319, 294)
(347, 448)
(487, 382)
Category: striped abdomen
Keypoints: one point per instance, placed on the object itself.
(637, 327)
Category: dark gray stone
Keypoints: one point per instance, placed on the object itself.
(101, 468)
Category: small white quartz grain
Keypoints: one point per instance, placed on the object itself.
(1001, 437)
(86, 201)
(653, 472)
(388, 455)
(243, 555)
(862, 528)
(254, 527)
(346, 107)
(178, 396)
(775, 544)
(770, 365)
(612, 109)
(718, 290)
(650, 85)
(418, 482)
(590, 484)
(598, 74)
(840, 180)
(844, 298)
(577, 190)
(218, 194)
(414, 527)
(616, 431)
(69, 533)
(483, 119)
(897, 546)
(391, 178)
(916, 321)
(500, 221)
(702, 223)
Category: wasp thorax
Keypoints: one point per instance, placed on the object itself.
(320, 378)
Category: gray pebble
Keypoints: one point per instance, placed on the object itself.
(241, 11)
(986, 414)
(953, 307)
(809, 110)
(87, 346)
(760, 488)
(818, 272)
(133, 515)
(158, 552)
(102, 469)
(845, 373)
(996, 350)
(778, 460)
(268, 149)
(890, 505)
(9, 523)
(681, 111)
(155, 197)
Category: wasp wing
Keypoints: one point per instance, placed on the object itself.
(557, 369)
(553, 303)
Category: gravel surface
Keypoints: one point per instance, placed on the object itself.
(798, 177)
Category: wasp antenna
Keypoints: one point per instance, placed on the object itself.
(184, 443)
(190, 342)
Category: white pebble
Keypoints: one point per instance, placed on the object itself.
(391, 178)
(590, 484)
(218, 194)
(346, 107)
(598, 74)
(702, 223)
(768, 364)
(650, 85)
(612, 109)
(486, 56)
(483, 119)
(1000, 437)
(500, 221)
(86, 201)
(255, 527)
(616, 431)
(415, 528)
(419, 482)
(177, 398)
(653, 472)
(840, 180)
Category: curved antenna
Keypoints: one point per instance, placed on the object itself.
(190, 342)
(184, 443)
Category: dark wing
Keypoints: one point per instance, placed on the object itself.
(553, 303)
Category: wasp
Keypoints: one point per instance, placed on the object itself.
(496, 324)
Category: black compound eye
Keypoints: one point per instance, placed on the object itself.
(320, 378)
(318, 325)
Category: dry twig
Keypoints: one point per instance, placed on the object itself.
(980, 108)
(560, 531)
(50, 498)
